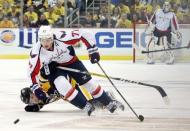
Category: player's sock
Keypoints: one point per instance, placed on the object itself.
(104, 99)
(81, 102)
(107, 102)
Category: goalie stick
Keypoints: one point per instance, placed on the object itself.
(158, 88)
(188, 46)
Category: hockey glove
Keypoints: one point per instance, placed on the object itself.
(48, 69)
(93, 54)
(33, 108)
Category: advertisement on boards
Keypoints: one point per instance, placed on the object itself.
(112, 44)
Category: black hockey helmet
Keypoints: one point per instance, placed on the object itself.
(25, 95)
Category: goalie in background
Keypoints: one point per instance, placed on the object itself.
(34, 104)
(165, 30)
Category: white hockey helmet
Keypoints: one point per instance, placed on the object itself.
(166, 6)
(45, 32)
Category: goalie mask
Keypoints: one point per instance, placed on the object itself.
(166, 7)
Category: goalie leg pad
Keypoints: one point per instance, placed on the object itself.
(171, 58)
(150, 47)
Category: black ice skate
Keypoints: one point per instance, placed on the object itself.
(117, 103)
(89, 108)
(113, 105)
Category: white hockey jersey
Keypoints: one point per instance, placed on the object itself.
(164, 21)
(62, 52)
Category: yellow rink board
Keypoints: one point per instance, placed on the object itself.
(13, 56)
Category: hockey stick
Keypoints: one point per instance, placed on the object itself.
(158, 88)
(145, 52)
(140, 117)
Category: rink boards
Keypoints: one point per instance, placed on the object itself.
(114, 44)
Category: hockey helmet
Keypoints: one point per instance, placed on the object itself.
(45, 32)
(166, 6)
(25, 95)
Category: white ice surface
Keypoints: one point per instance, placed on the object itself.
(175, 80)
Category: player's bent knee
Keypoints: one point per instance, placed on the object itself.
(97, 92)
(65, 88)
(93, 88)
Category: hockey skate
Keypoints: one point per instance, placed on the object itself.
(113, 105)
(150, 58)
(150, 61)
(170, 61)
(163, 58)
(119, 104)
(89, 108)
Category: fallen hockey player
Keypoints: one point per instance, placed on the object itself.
(34, 104)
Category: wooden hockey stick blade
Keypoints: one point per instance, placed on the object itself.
(158, 88)
(166, 100)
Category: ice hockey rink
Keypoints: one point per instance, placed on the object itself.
(175, 80)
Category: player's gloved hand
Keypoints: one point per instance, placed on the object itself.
(47, 100)
(33, 108)
(48, 69)
(41, 95)
(94, 55)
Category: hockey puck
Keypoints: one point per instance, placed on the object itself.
(141, 118)
(16, 121)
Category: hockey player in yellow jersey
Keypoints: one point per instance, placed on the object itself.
(34, 104)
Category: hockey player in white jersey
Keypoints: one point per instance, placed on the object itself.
(56, 49)
(164, 23)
